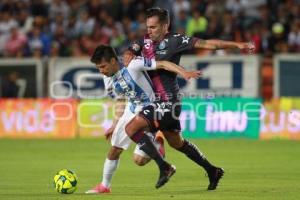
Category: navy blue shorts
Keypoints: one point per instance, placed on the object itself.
(163, 116)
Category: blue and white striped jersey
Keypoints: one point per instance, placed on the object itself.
(134, 83)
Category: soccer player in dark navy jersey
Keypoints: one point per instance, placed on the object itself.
(164, 113)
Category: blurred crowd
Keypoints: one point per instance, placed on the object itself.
(37, 28)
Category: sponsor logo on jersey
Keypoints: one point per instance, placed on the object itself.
(147, 46)
(162, 52)
(162, 45)
(135, 47)
(149, 41)
(185, 39)
(127, 77)
(147, 62)
(146, 112)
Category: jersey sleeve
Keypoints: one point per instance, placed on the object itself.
(142, 64)
(180, 43)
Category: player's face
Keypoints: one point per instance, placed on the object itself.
(155, 29)
(107, 68)
(127, 57)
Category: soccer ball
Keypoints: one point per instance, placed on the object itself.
(65, 181)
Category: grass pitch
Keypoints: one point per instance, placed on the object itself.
(266, 170)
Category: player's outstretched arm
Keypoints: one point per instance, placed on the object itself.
(178, 70)
(221, 44)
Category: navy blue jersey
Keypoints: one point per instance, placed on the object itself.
(170, 49)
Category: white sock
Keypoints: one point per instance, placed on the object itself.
(109, 168)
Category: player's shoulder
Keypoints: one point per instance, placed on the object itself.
(175, 36)
(137, 61)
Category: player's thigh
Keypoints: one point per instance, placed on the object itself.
(138, 123)
(170, 120)
(120, 138)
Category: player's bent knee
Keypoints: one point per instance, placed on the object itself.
(140, 161)
(114, 153)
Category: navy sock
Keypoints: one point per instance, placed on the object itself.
(192, 152)
(146, 144)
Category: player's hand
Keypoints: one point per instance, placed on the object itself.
(248, 47)
(108, 133)
(191, 74)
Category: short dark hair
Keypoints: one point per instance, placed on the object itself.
(103, 51)
(162, 14)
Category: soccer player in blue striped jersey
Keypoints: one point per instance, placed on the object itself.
(133, 83)
(118, 138)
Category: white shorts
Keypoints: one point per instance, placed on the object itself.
(120, 138)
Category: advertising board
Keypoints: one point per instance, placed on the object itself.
(221, 118)
(38, 118)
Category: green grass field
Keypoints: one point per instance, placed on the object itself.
(254, 170)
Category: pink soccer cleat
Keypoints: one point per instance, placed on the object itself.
(160, 141)
(98, 189)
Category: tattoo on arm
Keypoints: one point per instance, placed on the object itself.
(214, 44)
(208, 44)
(218, 45)
(200, 43)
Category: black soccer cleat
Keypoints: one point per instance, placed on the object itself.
(214, 177)
(165, 176)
